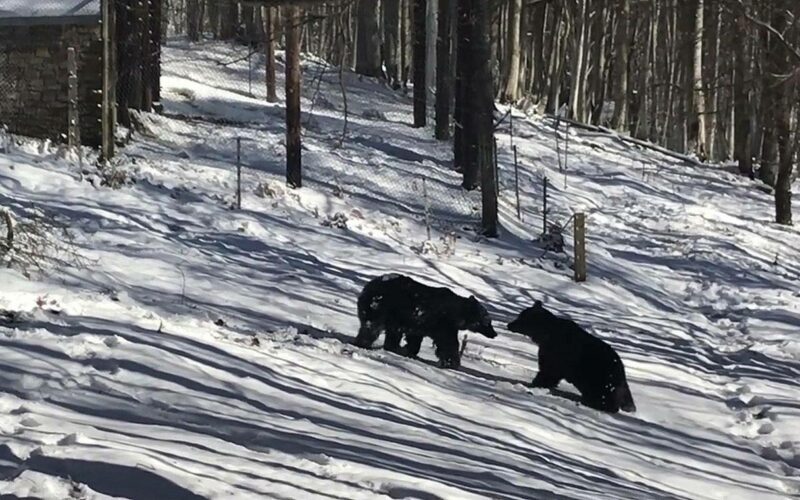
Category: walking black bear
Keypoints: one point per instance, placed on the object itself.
(397, 305)
(567, 351)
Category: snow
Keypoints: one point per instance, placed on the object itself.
(203, 352)
(49, 8)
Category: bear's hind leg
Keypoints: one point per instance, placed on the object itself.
(447, 349)
(599, 402)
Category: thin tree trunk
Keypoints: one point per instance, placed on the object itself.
(269, 48)
(193, 20)
(391, 40)
(294, 176)
(420, 49)
(743, 112)
(483, 99)
(511, 92)
(443, 80)
(622, 47)
(701, 144)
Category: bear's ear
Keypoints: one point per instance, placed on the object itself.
(538, 305)
(473, 299)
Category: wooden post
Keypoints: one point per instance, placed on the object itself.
(107, 117)
(420, 49)
(294, 176)
(580, 247)
(73, 131)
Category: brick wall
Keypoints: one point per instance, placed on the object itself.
(33, 80)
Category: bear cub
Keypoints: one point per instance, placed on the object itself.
(398, 306)
(567, 351)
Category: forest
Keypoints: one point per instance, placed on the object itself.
(716, 79)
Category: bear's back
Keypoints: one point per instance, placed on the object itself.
(399, 294)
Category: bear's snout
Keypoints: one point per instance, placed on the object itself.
(489, 332)
(514, 326)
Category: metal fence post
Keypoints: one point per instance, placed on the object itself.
(516, 183)
(544, 207)
(566, 154)
(427, 207)
(580, 247)
(239, 173)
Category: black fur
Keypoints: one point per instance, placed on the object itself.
(397, 305)
(567, 351)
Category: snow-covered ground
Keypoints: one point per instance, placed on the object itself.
(202, 352)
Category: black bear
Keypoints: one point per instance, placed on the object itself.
(397, 305)
(567, 351)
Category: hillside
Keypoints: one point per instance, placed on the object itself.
(203, 352)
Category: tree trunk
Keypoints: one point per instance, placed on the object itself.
(511, 92)
(430, 50)
(444, 83)
(391, 40)
(483, 99)
(193, 20)
(420, 49)
(213, 9)
(229, 19)
(577, 97)
(269, 49)
(294, 177)
(368, 42)
(701, 144)
(783, 88)
(622, 47)
(465, 137)
(741, 84)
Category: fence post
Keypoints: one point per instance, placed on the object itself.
(108, 119)
(566, 154)
(516, 182)
(544, 208)
(511, 127)
(580, 247)
(73, 133)
(239, 173)
(427, 207)
(250, 71)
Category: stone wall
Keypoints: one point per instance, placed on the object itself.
(33, 80)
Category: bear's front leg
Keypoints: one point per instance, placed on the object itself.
(392, 340)
(545, 380)
(413, 345)
(447, 349)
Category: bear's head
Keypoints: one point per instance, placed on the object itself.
(534, 322)
(476, 319)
